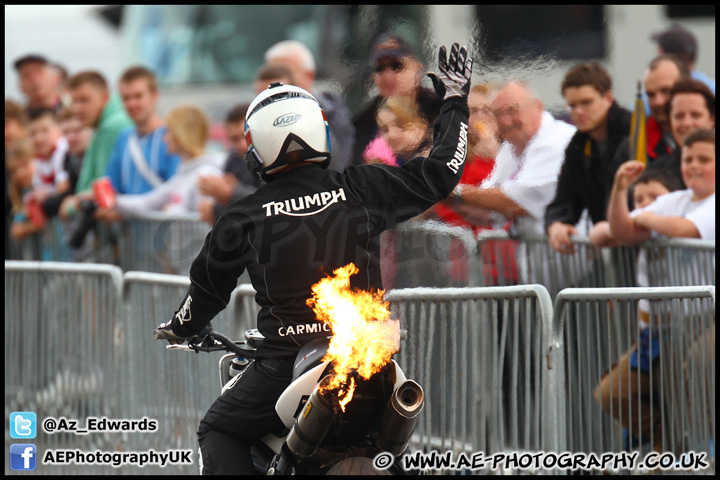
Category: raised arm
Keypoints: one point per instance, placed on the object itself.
(622, 227)
(423, 181)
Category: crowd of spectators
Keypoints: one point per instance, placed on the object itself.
(526, 170)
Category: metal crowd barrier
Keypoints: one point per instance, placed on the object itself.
(169, 243)
(680, 262)
(428, 254)
(175, 388)
(479, 354)
(595, 328)
(61, 356)
(79, 344)
(530, 259)
(498, 374)
(52, 245)
(415, 254)
(158, 243)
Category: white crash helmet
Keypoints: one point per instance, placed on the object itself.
(285, 125)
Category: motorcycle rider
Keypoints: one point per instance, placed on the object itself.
(305, 222)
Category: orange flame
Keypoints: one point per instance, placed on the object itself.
(364, 338)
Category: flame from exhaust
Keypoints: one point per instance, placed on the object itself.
(364, 337)
(344, 396)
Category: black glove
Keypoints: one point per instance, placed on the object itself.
(454, 78)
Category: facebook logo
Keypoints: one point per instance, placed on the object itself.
(23, 425)
(23, 456)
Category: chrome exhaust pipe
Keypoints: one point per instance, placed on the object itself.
(400, 417)
(314, 421)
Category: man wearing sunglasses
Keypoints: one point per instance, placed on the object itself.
(396, 72)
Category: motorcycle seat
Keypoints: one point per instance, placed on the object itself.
(310, 356)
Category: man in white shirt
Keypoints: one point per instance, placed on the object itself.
(528, 163)
(521, 185)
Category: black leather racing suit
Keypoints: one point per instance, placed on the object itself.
(298, 228)
(289, 234)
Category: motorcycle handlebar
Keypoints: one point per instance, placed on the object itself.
(216, 341)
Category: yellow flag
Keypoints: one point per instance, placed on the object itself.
(638, 135)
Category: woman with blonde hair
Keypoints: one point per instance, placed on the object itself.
(188, 130)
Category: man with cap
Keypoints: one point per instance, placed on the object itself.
(396, 73)
(39, 83)
(681, 42)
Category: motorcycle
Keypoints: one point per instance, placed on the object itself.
(321, 438)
